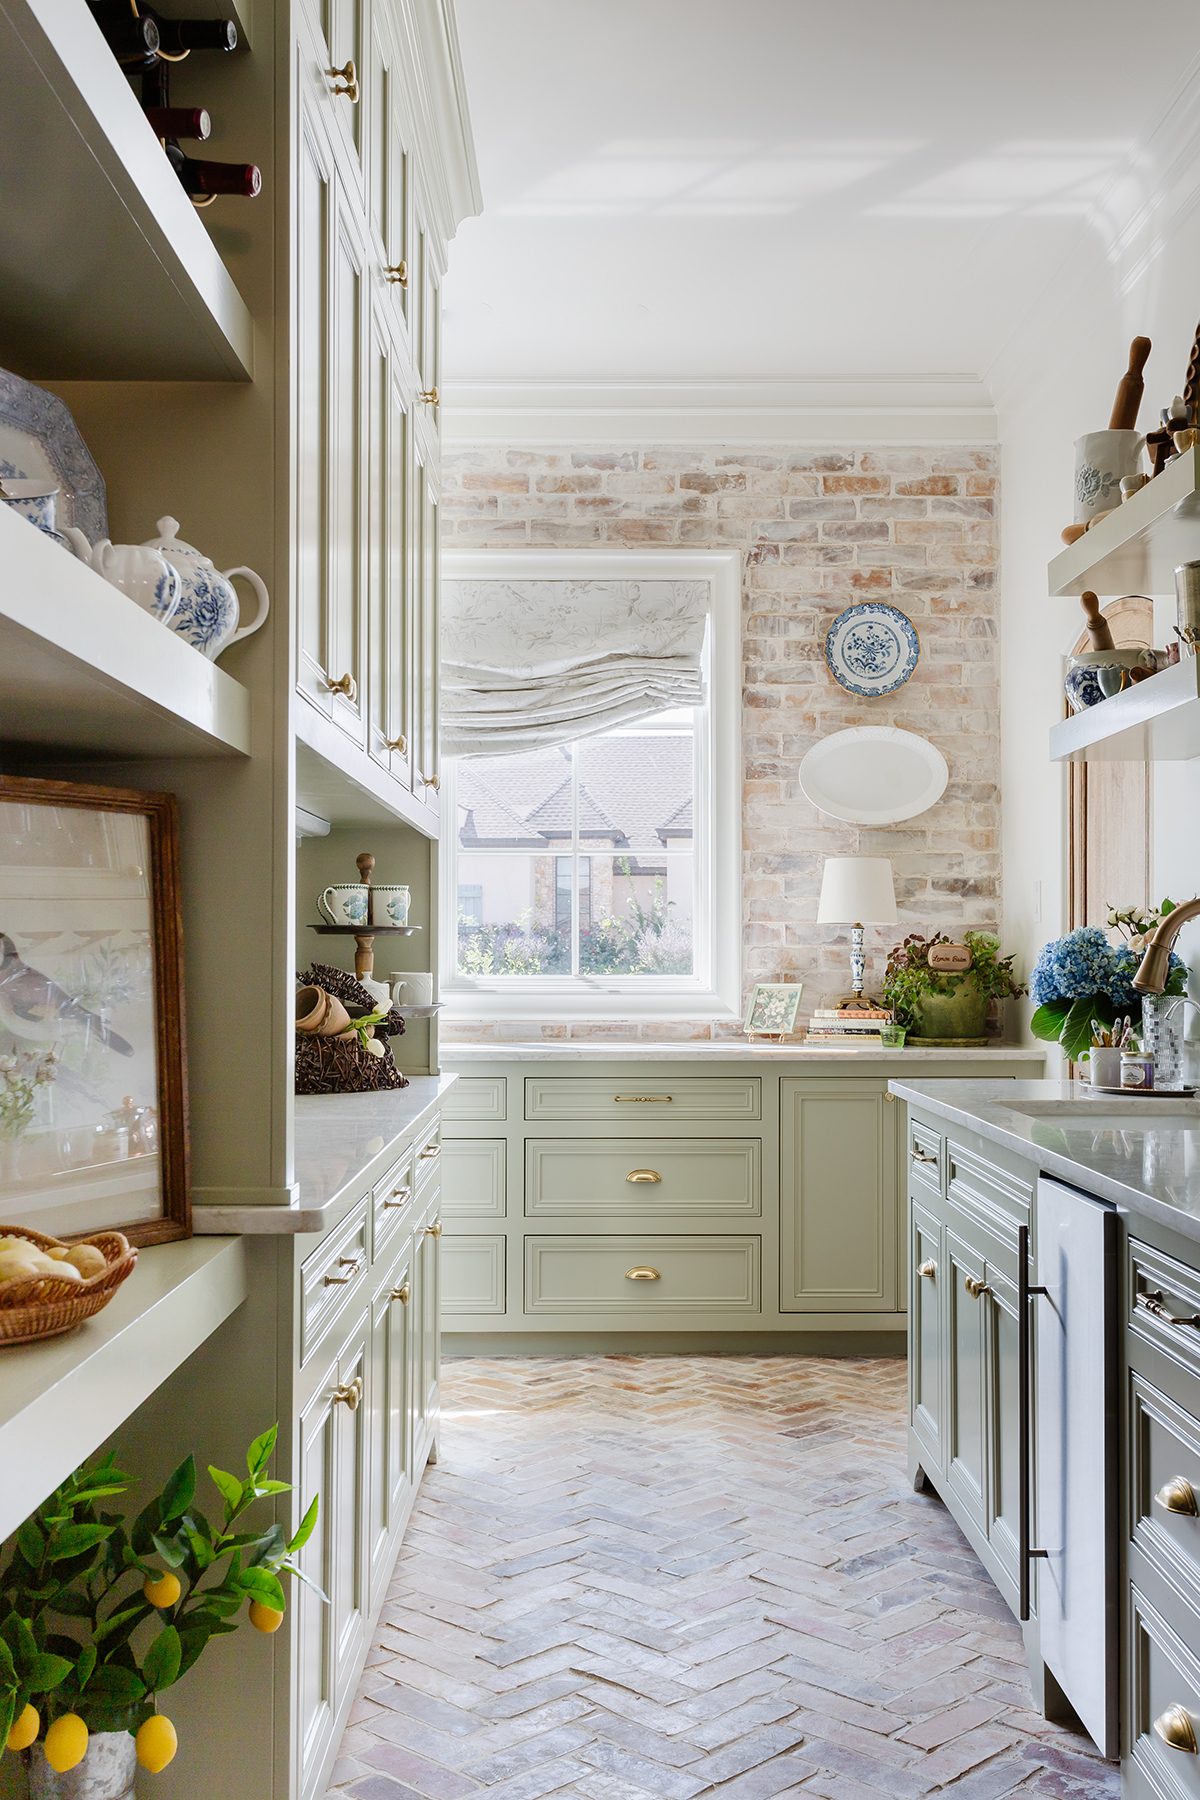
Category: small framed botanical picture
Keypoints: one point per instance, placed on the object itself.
(93, 1080)
(773, 1008)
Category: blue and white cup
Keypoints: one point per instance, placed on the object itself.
(32, 500)
(345, 903)
(390, 905)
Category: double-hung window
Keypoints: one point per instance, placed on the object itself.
(593, 870)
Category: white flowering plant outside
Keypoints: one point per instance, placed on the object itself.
(21, 1078)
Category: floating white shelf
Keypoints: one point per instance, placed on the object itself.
(82, 667)
(60, 1399)
(106, 271)
(1138, 548)
(1156, 721)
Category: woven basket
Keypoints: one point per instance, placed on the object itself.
(38, 1306)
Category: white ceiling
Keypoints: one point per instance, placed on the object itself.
(693, 189)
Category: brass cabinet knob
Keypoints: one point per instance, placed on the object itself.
(397, 274)
(433, 781)
(399, 744)
(929, 1267)
(643, 1175)
(403, 1293)
(1178, 1496)
(1176, 1730)
(975, 1288)
(345, 684)
(430, 396)
(642, 1275)
(348, 79)
(920, 1156)
(349, 1393)
(352, 1264)
(434, 1230)
(399, 1197)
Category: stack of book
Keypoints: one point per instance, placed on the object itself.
(847, 1025)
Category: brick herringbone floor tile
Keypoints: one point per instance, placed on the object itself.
(693, 1578)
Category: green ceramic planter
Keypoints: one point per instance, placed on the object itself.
(958, 1015)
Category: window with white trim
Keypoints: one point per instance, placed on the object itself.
(600, 876)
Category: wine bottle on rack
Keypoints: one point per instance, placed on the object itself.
(207, 179)
(138, 36)
(178, 36)
(179, 121)
(133, 40)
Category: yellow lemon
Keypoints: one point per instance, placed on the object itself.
(156, 1743)
(164, 1591)
(25, 1729)
(66, 1743)
(264, 1618)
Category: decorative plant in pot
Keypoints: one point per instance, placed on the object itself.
(1082, 976)
(92, 1629)
(947, 1005)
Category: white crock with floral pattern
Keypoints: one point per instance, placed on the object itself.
(106, 1772)
(208, 609)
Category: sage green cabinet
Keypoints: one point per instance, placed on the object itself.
(839, 1202)
(926, 1361)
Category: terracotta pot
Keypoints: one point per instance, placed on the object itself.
(106, 1772)
(320, 1014)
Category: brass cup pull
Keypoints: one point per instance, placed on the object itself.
(349, 1393)
(1176, 1730)
(433, 781)
(345, 684)
(352, 1264)
(929, 1268)
(398, 744)
(1178, 1496)
(430, 1150)
(975, 1288)
(434, 1230)
(642, 1099)
(348, 78)
(397, 274)
(430, 396)
(638, 1176)
(1154, 1303)
(403, 1293)
(920, 1156)
(400, 1197)
(642, 1275)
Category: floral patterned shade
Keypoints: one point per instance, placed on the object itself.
(529, 663)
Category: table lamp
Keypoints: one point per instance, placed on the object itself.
(857, 890)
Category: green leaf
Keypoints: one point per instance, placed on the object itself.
(24, 1649)
(30, 1543)
(274, 1487)
(74, 1605)
(8, 1706)
(8, 1670)
(1047, 1022)
(259, 1453)
(47, 1672)
(1077, 1026)
(73, 1540)
(191, 1644)
(201, 1549)
(113, 1685)
(85, 1665)
(170, 1549)
(260, 1584)
(228, 1486)
(294, 1569)
(160, 1665)
(306, 1527)
(177, 1495)
(125, 1619)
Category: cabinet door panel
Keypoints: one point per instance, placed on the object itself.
(426, 1323)
(926, 1370)
(838, 1209)
(1003, 1435)
(314, 1638)
(313, 331)
(965, 1448)
(351, 1492)
(391, 1466)
(425, 648)
(347, 523)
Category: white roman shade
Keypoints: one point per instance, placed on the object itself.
(527, 663)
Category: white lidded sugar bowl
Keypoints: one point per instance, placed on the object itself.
(141, 573)
(208, 608)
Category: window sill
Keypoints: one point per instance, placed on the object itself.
(605, 1001)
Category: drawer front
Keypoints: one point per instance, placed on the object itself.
(981, 1188)
(1162, 1299)
(335, 1270)
(472, 1274)
(1163, 1675)
(477, 1099)
(643, 1175)
(473, 1177)
(627, 1098)
(1164, 1476)
(685, 1274)
(427, 1159)
(926, 1163)
(391, 1200)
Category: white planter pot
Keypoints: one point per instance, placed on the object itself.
(106, 1772)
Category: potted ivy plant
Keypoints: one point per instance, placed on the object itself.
(947, 1005)
(96, 1621)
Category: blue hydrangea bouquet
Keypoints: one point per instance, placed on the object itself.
(1082, 976)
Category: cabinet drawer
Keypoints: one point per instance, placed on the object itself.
(690, 1274)
(987, 1191)
(925, 1160)
(1163, 1675)
(476, 1098)
(335, 1270)
(1165, 1461)
(472, 1274)
(473, 1178)
(427, 1159)
(719, 1175)
(625, 1098)
(1162, 1300)
(391, 1200)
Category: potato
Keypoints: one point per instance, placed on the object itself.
(13, 1264)
(87, 1259)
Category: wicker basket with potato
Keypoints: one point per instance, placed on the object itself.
(47, 1287)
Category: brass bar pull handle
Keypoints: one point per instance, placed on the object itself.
(975, 1288)
(403, 1293)
(348, 77)
(397, 274)
(352, 1264)
(638, 1176)
(642, 1099)
(1178, 1496)
(345, 684)
(398, 744)
(920, 1156)
(1154, 1303)
(431, 1150)
(1176, 1729)
(349, 1393)
(430, 396)
(434, 1230)
(928, 1267)
(400, 1197)
(642, 1275)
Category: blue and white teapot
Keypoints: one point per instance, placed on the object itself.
(208, 608)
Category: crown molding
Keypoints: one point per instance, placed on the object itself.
(785, 409)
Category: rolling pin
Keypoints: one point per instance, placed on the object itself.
(1129, 391)
(1097, 624)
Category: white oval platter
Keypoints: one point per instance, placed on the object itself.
(873, 775)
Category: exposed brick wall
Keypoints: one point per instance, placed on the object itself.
(818, 529)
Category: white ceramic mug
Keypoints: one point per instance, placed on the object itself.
(1104, 1067)
(390, 905)
(1103, 459)
(344, 904)
(412, 987)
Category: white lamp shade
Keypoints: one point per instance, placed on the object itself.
(857, 890)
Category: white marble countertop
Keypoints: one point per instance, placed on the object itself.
(462, 1055)
(344, 1143)
(1152, 1169)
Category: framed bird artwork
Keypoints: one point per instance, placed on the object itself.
(93, 1076)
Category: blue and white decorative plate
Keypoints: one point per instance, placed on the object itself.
(872, 649)
(39, 440)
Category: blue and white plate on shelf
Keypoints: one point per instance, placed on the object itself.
(39, 441)
(872, 649)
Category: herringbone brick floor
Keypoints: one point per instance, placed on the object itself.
(659, 1578)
